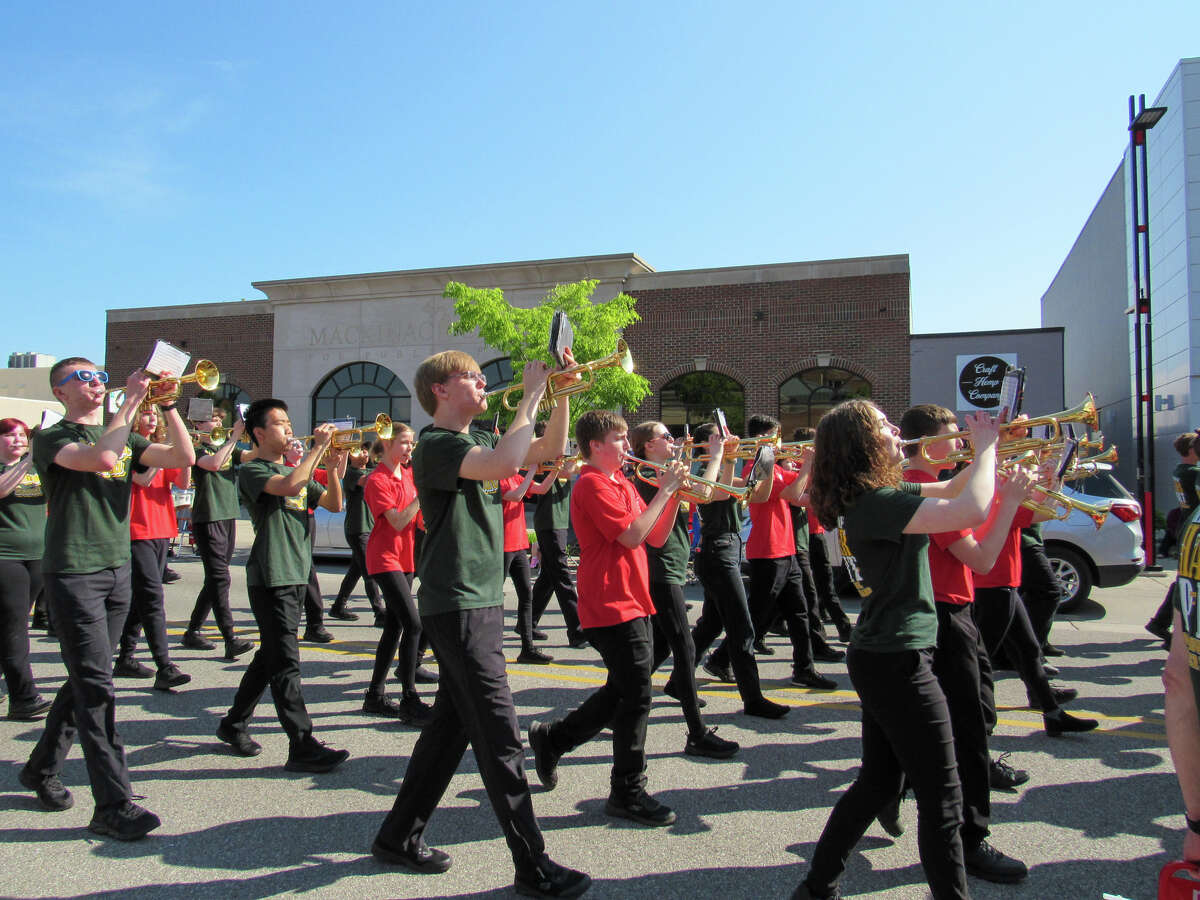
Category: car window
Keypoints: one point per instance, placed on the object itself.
(1102, 484)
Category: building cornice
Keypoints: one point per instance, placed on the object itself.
(191, 311)
(789, 271)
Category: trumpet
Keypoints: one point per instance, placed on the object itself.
(693, 488)
(553, 465)
(1061, 505)
(620, 358)
(167, 390)
(216, 437)
(747, 448)
(349, 438)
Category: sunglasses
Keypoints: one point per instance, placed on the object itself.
(85, 375)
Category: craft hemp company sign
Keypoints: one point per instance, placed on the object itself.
(979, 379)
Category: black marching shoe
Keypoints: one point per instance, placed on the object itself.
(1049, 649)
(235, 647)
(379, 705)
(825, 653)
(426, 676)
(311, 755)
(29, 711)
(127, 667)
(802, 892)
(549, 879)
(1003, 777)
(843, 629)
(988, 863)
(672, 691)
(1159, 630)
(814, 680)
(532, 656)
(708, 744)
(339, 611)
(545, 760)
(317, 634)
(717, 671)
(577, 641)
(194, 640)
(41, 621)
(125, 821)
(1062, 722)
(170, 576)
(1061, 695)
(169, 677)
(426, 860)
(762, 649)
(766, 709)
(415, 711)
(50, 791)
(640, 808)
(242, 743)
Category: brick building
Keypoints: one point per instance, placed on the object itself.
(787, 339)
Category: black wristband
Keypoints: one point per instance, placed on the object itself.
(1192, 824)
(166, 407)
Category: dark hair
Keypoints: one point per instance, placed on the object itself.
(256, 415)
(62, 364)
(640, 436)
(850, 460)
(11, 424)
(1183, 444)
(757, 426)
(923, 420)
(593, 425)
(804, 433)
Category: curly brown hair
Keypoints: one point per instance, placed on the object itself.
(850, 460)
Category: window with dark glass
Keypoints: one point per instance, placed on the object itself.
(805, 397)
(360, 391)
(498, 373)
(690, 400)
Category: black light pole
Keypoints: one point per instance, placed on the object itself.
(1141, 121)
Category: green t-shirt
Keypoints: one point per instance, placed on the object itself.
(553, 509)
(668, 563)
(800, 528)
(280, 554)
(1185, 485)
(1032, 536)
(720, 517)
(87, 523)
(890, 569)
(358, 515)
(23, 518)
(462, 557)
(216, 492)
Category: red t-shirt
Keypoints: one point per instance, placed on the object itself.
(389, 550)
(814, 527)
(613, 580)
(953, 580)
(1007, 570)
(152, 508)
(516, 535)
(321, 477)
(771, 533)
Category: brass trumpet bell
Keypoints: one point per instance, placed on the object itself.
(349, 438)
(619, 358)
(206, 376)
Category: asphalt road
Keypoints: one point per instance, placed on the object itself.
(1101, 813)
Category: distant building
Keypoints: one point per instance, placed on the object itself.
(25, 392)
(31, 360)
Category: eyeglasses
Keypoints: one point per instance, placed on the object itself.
(471, 376)
(85, 375)
(665, 436)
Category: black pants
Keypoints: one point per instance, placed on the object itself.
(88, 612)
(718, 566)
(314, 604)
(776, 587)
(473, 704)
(956, 665)
(905, 734)
(1040, 590)
(1003, 622)
(20, 583)
(816, 628)
(147, 559)
(673, 637)
(516, 567)
(623, 704)
(400, 619)
(555, 576)
(823, 575)
(276, 663)
(214, 542)
(357, 570)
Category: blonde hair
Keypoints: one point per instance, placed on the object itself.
(435, 370)
(593, 425)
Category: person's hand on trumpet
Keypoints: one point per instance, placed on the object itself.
(559, 376)
(984, 430)
(671, 479)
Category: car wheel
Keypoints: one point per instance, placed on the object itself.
(1074, 576)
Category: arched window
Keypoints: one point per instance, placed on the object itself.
(805, 397)
(498, 373)
(360, 391)
(690, 400)
(226, 397)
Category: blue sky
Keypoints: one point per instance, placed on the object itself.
(156, 154)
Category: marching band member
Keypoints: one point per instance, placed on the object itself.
(551, 519)
(668, 574)
(612, 523)
(457, 470)
(22, 528)
(883, 523)
(357, 527)
(516, 561)
(214, 527)
(279, 498)
(718, 566)
(85, 469)
(391, 496)
(151, 526)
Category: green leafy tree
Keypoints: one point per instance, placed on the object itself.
(524, 334)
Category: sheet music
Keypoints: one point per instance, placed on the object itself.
(167, 361)
(200, 409)
(50, 417)
(115, 399)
